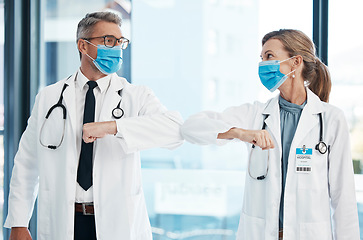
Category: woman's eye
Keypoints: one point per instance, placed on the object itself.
(269, 56)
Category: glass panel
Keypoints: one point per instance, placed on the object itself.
(2, 25)
(345, 62)
(200, 55)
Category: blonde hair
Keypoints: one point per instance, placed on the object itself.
(315, 73)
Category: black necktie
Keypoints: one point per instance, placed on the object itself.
(84, 173)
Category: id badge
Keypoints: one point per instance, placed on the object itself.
(303, 159)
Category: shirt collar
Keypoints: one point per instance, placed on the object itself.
(313, 104)
(102, 83)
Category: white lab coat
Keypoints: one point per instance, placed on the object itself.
(310, 199)
(120, 210)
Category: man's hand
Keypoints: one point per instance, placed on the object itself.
(260, 138)
(94, 130)
(20, 233)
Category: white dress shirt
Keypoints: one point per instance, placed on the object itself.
(81, 88)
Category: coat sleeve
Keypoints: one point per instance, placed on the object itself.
(25, 178)
(154, 126)
(203, 128)
(341, 183)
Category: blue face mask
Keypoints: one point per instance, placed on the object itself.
(270, 75)
(109, 60)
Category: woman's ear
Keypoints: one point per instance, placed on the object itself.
(298, 60)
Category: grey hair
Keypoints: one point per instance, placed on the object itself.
(85, 26)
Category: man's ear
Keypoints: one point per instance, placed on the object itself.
(82, 46)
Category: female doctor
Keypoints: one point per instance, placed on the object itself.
(302, 186)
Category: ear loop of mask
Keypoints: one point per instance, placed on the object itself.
(293, 76)
(96, 47)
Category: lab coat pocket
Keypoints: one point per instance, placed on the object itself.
(317, 179)
(138, 219)
(315, 231)
(43, 214)
(251, 228)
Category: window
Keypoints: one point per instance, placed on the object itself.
(345, 49)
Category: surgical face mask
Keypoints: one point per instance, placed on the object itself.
(270, 75)
(109, 60)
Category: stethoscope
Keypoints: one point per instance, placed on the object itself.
(117, 113)
(321, 147)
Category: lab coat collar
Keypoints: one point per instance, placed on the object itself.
(115, 84)
(313, 103)
(112, 98)
(102, 83)
(69, 97)
(307, 120)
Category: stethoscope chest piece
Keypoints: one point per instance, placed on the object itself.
(321, 147)
(117, 112)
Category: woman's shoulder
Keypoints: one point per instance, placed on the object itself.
(332, 113)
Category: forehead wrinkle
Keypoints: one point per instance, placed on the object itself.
(103, 29)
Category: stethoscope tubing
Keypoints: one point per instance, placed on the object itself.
(64, 110)
(117, 113)
(321, 147)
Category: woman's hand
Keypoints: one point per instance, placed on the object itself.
(260, 138)
(20, 233)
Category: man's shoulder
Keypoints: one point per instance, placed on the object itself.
(53, 87)
(121, 82)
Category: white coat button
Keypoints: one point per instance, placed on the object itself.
(70, 232)
(71, 202)
(73, 171)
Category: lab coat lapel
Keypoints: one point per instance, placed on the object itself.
(112, 99)
(309, 118)
(273, 120)
(69, 97)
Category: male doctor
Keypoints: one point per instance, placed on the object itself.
(86, 169)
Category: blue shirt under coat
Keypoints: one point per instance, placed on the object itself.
(289, 118)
